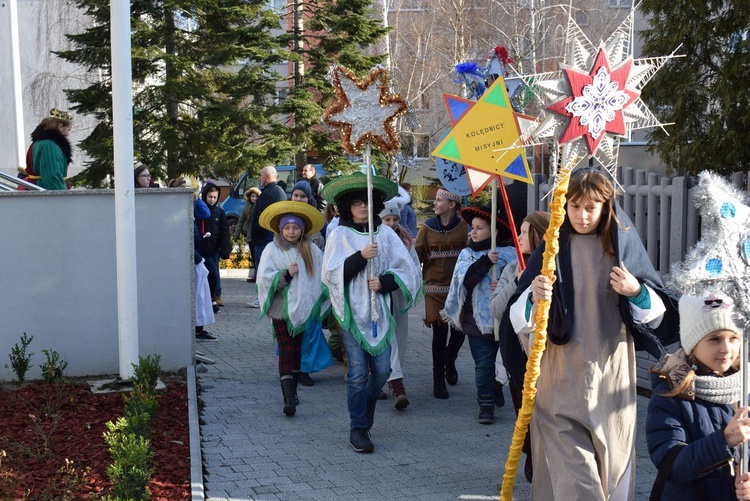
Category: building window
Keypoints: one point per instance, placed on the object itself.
(415, 145)
(282, 93)
(402, 5)
(278, 6)
(616, 4)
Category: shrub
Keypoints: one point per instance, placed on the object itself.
(53, 369)
(131, 470)
(20, 360)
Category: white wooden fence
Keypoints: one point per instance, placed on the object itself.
(664, 214)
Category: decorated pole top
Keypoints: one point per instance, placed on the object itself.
(365, 110)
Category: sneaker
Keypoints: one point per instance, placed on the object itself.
(253, 304)
(486, 410)
(360, 441)
(219, 302)
(215, 308)
(205, 336)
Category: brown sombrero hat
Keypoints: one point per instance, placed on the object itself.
(358, 181)
(270, 217)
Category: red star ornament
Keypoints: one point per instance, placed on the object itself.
(597, 101)
(365, 110)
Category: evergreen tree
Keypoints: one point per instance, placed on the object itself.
(335, 32)
(706, 93)
(203, 86)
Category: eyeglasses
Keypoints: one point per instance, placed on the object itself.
(145, 175)
(359, 203)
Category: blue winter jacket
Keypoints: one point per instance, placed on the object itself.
(701, 469)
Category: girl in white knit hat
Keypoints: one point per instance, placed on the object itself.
(694, 423)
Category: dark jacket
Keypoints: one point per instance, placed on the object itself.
(271, 193)
(701, 469)
(219, 241)
(561, 316)
(317, 190)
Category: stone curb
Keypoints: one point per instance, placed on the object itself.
(196, 460)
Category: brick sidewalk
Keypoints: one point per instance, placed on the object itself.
(434, 450)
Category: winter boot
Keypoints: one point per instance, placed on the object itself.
(305, 379)
(451, 374)
(370, 412)
(219, 302)
(438, 383)
(296, 384)
(498, 394)
(398, 391)
(287, 389)
(486, 409)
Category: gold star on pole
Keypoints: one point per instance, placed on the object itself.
(365, 110)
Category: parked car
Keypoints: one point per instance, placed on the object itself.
(235, 202)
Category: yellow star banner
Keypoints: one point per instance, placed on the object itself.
(485, 136)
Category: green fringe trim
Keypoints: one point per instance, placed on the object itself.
(411, 301)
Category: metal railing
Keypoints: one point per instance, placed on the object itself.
(12, 183)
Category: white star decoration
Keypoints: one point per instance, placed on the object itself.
(720, 262)
(588, 106)
(365, 110)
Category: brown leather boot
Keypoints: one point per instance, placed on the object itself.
(400, 401)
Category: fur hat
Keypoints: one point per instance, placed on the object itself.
(391, 209)
(702, 315)
(253, 190)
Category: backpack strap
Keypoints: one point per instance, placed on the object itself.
(664, 469)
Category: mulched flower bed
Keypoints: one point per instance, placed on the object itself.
(42, 425)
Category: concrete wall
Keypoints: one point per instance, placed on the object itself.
(58, 278)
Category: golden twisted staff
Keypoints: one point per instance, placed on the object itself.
(551, 248)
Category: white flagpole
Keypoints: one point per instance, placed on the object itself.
(370, 220)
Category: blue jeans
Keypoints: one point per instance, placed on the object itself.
(214, 280)
(258, 252)
(359, 387)
(483, 350)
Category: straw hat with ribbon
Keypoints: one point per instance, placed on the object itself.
(271, 216)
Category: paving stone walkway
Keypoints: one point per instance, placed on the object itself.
(434, 450)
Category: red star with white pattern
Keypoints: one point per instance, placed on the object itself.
(602, 104)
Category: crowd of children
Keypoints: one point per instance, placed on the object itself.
(607, 301)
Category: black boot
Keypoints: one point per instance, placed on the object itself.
(305, 379)
(455, 341)
(370, 412)
(486, 409)
(438, 383)
(498, 394)
(296, 384)
(451, 374)
(287, 389)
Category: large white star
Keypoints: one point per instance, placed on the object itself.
(365, 110)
